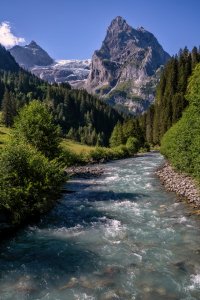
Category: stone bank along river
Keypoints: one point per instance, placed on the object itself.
(120, 236)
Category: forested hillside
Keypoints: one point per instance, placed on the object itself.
(170, 99)
(170, 95)
(91, 120)
(181, 143)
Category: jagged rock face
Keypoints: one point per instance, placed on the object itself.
(127, 67)
(31, 55)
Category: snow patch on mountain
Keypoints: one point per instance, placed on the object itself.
(77, 67)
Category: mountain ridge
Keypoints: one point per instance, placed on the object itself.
(30, 55)
(128, 60)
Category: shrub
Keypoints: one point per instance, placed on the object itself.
(132, 145)
(120, 152)
(68, 157)
(28, 181)
(35, 125)
(98, 152)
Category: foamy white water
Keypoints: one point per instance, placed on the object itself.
(120, 236)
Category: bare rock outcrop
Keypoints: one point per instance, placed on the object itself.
(128, 65)
(30, 55)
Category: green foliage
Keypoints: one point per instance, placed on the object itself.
(181, 143)
(85, 135)
(117, 137)
(129, 128)
(69, 107)
(193, 90)
(28, 181)
(132, 145)
(146, 147)
(170, 95)
(114, 153)
(69, 157)
(35, 125)
(99, 152)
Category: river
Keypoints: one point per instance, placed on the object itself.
(120, 236)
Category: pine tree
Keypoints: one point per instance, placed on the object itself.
(94, 137)
(7, 110)
(149, 123)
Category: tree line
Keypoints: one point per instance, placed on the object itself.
(90, 119)
(181, 143)
(170, 100)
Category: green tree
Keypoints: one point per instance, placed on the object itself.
(94, 137)
(29, 182)
(35, 124)
(8, 109)
(132, 145)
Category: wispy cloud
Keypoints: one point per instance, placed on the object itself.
(7, 39)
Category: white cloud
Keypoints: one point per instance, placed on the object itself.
(7, 39)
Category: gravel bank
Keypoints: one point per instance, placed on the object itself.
(181, 184)
(86, 172)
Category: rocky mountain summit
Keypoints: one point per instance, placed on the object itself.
(127, 68)
(125, 72)
(30, 55)
(37, 60)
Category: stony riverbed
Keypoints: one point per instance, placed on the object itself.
(183, 185)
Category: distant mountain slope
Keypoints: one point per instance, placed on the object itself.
(37, 60)
(7, 61)
(91, 118)
(127, 68)
(64, 70)
(30, 55)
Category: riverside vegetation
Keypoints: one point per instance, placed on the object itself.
(32, 163)
(33, 160)
(173, 122)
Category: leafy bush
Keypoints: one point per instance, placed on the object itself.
(146, 147)
(120, 152)
(68, 157)
(132, 145)
(99, 152)
(181, 143)
(28, 181)
(35, 125)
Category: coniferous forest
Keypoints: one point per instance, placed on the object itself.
(87, 119)
(82, 117)
(170, 95)
(169, 105)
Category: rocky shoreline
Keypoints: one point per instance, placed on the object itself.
(183, 185)
(84, 172)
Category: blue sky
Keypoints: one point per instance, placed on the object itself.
(74, 29)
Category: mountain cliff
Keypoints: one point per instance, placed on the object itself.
(127, 68)
(30, 55)
(37, 60)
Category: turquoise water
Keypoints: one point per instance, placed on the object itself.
(120, 236)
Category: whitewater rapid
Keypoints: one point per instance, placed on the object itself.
(120, 236)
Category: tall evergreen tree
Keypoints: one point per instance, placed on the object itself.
(7, 110)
